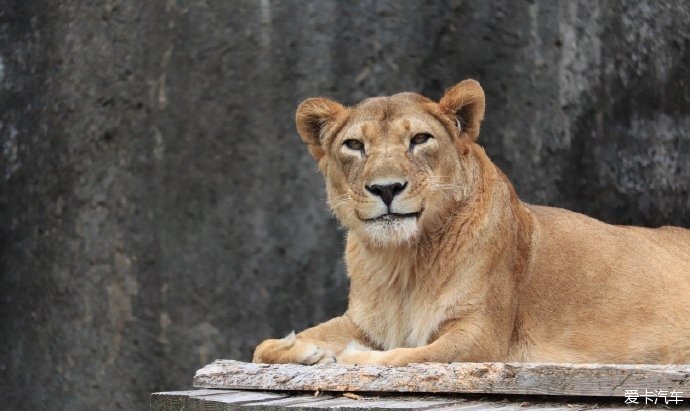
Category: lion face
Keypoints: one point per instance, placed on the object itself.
(394, 164)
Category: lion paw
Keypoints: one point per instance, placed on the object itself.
(311, 354)
(291, 350)
(356, 353)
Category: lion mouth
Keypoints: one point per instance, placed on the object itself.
(393, 216)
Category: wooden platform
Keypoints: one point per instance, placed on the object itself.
(233, 385)
(217, 400)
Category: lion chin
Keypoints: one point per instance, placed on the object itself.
(390, 230)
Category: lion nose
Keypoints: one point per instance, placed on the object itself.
(387, 191)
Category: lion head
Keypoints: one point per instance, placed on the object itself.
(393, 165)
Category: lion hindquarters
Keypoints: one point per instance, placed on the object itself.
(605, 293)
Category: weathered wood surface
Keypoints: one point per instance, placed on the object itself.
(225, 400)
(485, 378)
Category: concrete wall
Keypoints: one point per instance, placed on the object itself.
(157, 210)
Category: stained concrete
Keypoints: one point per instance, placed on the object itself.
(157, 210)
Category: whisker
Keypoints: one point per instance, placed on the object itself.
(448, 189)
(340, 201)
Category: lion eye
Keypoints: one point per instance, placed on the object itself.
(353, 144)
(420, 139)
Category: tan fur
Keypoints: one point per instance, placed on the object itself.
(478, 275)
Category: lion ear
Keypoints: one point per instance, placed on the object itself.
(314, 117)
(466, 101)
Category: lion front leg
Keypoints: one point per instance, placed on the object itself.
(460, 342)
(317, 345)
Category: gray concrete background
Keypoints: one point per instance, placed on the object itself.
(157, 210)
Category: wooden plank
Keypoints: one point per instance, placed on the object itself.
(407, 403)
(488, 378)
(176, 400)
(282, 404)
(226, 400)
(206, 399)
(230, 402)
(382, 404)
(476, 406)
(388, 403)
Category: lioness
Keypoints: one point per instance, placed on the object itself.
(447, 264)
